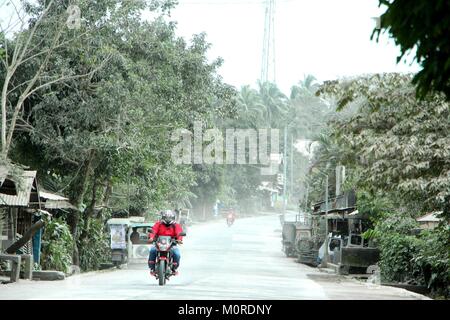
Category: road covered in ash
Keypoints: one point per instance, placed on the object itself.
(243, 261)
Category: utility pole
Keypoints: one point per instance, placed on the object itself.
(325, 256)
(291, 185)
(268, 54)
(284, 172)
(306, 196)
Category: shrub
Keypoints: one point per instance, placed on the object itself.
(397, 247)
(57, 246)
(421, 260)
(94, 248)
(434, 261)
(396, 258)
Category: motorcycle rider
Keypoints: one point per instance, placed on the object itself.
(167, 226)
(231, 216)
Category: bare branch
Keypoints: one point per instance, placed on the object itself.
(52, 48)
(29, 92)
(30, 37)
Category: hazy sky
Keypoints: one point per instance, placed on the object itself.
(325, 38)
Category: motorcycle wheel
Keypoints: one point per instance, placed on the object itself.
(162, 272)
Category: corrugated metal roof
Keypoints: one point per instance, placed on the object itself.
(54, 201)
(51, 204)
(51, 196)
(22, 199)
(431, 217)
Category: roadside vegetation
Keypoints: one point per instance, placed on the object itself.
(92, 110)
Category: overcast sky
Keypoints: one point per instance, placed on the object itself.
(325, 38)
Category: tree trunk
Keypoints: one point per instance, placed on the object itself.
(107, 193)
(26, 237)
(89, 212)
(77, 199)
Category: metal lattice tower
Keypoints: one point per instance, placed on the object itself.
(268, 55)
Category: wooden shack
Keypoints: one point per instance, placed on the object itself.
(19, 198)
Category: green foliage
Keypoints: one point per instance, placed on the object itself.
(57, 246)
(397, 247)
(371, 234)
(397, 144)
(396, 222)
(96, 246)
(395, 149)
(422, 26)
(104, 139)
(396, 259)
(422, 260)
(374, 205)
(433, 259)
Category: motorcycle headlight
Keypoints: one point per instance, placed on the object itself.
(162, 247)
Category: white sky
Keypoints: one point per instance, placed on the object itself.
(325, 38)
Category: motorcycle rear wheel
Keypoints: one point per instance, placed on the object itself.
(162, 272)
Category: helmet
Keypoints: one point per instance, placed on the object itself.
(167, 217)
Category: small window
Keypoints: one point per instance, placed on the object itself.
(355, 240)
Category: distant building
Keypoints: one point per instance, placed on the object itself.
(430, 220)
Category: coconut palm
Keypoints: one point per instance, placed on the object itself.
(251, 108)
(306, 87)
(275, 104)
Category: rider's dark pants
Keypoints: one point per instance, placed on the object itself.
(175, 252)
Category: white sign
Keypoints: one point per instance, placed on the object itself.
(118, 237)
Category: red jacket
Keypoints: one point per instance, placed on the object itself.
(160, 229)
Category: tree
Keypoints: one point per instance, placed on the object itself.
(21, 52)
(275, 104)
(421, 25)
(396, 143)
(109, 133)
(396, 151)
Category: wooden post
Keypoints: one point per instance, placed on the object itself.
(28, 272)
(26, 237)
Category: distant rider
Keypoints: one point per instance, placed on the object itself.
(231, 216)
(167, 226)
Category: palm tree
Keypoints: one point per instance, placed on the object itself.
(275, 104)
(309, 111)
(251, 107)
(306, 87)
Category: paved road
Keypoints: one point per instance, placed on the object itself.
(243, 261)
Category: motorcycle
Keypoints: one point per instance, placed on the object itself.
(230, 220)
(164, 261)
